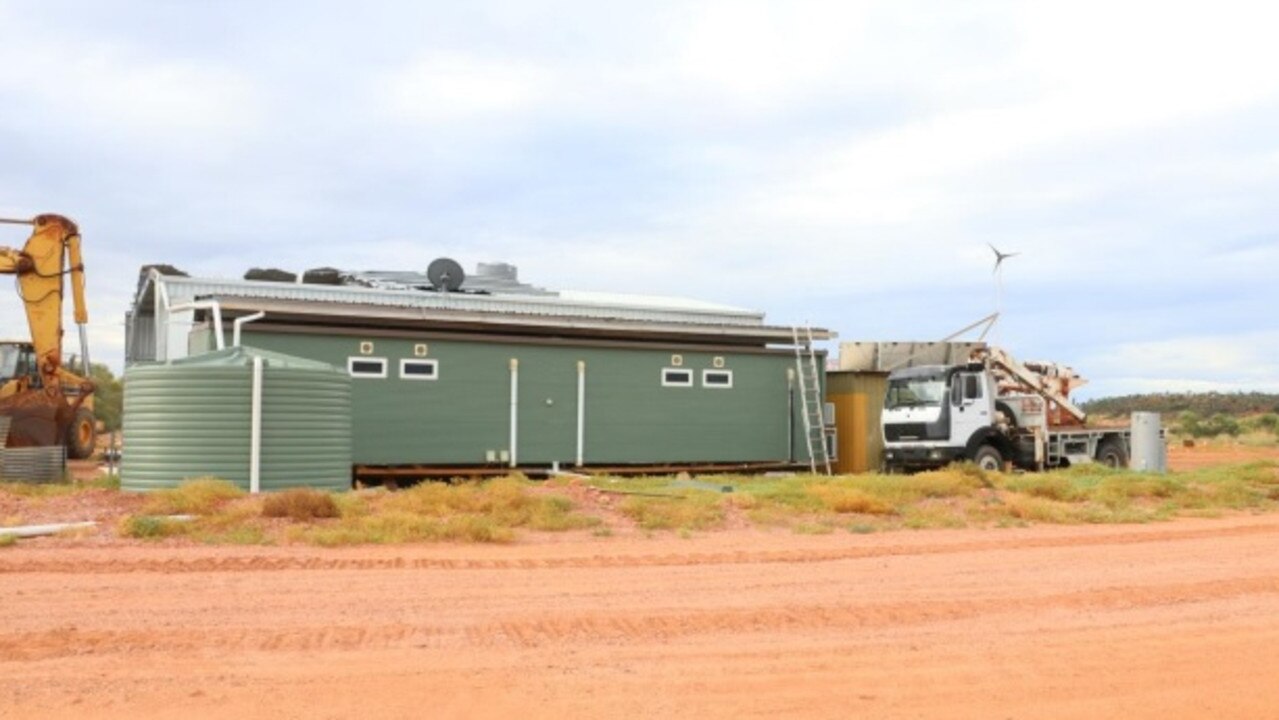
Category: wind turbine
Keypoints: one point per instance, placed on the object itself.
(998, 272)
(1000, 257)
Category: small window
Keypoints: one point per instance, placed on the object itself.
(418, 369)
(972, 388)
(717, 378)
(366, 367)
(675, 377)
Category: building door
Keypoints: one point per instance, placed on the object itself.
(547, 408)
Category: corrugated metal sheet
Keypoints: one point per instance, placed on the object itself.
(185, 289)
(139, 338)
(870, 356)
(33, 464)
(488, 277)
(191, 418)
(859, 401)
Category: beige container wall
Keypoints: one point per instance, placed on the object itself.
(858, 398)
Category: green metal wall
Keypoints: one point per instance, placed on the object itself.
(191, 418)
(630, 417)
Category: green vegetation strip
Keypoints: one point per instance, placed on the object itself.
(494, 511)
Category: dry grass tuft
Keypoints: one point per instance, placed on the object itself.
(697, 510)
(843, 499)
(151, 527)
(200, 496)
(299, 504)
(486, 512)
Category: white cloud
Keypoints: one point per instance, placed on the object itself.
(756, 153)
(117, 90)
(453, 88)
(1243, 361)
(760, 56)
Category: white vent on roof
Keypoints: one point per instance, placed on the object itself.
(504, 271)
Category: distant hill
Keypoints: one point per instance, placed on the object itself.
(1203, 404)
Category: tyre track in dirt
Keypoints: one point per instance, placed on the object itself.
(1175, 621)
(321, 562)
(636, 626)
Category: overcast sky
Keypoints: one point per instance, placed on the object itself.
(843, 164)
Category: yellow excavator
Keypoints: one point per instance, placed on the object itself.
(47, 403)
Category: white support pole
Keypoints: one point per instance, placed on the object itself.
(160, 312)
(213, 305)
(581, 410)
(515, 410)
(239, 322)
(220, 341)
(255, 429)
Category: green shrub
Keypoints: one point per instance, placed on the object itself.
(1268, 422)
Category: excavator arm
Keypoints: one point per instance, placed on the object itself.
(42, 416)
(51, 253)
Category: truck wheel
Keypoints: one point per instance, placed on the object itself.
(1112, 453)
(989, 459)
(82, 435)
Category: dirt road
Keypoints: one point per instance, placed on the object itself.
(1174, 620)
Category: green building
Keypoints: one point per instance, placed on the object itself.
(496, 375)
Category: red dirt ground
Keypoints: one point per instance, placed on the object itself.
(1207, 455)
(1169, 620)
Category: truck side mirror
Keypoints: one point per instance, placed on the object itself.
(957, 392)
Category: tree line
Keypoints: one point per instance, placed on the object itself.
(1202, 404)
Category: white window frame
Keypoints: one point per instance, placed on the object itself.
(686, 371)
(351, 361)
(435, 368)
(718, 386)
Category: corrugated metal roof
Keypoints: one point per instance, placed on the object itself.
(567, 305)
(491, 277)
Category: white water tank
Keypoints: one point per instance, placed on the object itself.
(1149, 453)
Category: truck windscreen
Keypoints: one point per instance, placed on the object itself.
(915, 392)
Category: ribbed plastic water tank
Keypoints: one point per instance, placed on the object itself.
(192, 418)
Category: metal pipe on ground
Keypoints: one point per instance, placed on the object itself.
(30, 531)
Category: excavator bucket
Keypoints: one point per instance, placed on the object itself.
(38, 419)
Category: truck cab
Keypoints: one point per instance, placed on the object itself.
(934, 413)
(938, 414)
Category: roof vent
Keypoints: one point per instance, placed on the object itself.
(497, 270)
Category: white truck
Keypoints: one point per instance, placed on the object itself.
(993, 411)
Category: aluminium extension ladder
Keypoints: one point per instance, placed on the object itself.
(811, 402)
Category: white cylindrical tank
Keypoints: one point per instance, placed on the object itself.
(1149, 453)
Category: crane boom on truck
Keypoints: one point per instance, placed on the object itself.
(992, 410)
(48, 403)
